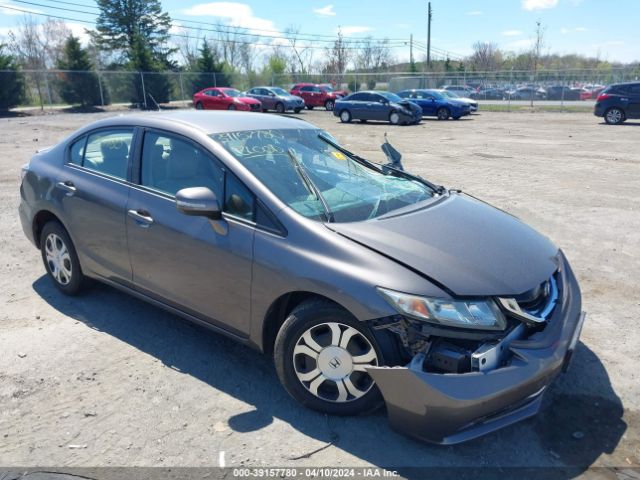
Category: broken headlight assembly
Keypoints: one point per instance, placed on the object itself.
(471, 314)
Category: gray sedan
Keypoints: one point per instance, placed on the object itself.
(276, 98)
(364, 282)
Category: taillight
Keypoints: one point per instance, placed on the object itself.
(602, 96)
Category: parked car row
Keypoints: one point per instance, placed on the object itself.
(526, 92)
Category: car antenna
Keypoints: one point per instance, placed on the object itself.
(393, 155)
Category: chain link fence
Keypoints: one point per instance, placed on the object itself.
(55, 88)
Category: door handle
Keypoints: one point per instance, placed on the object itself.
(142, 217)
(68, 187)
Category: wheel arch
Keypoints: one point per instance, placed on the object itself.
(280, 309)
(40, 219)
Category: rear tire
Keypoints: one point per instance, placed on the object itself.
(60, 259)
(345, 116)
(443, 113)
(614, 116)
(310, 342)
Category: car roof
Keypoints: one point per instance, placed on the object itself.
(207, 121)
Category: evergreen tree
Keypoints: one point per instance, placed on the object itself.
(156, 85)
(82, 86)
(139, 31)
(208, 64)
(121, 22)
(13, 88)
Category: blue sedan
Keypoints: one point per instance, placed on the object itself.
(377, 105)
(435, 104)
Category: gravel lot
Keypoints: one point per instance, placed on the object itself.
(106, 380)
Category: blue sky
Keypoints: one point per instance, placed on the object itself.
(590, 27)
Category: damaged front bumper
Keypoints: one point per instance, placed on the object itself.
(449, 408)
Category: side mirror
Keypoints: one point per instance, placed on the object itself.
(198, 201)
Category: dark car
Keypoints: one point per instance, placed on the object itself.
(377, 105)
(315, 95)
(276, 98)
(618, 102)
(362, 281)
(562, 92)
(491, 94)
(435, 104)
(224, 99)
(527, 93)
(462, 91)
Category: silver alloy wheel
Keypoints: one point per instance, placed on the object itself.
(345, 116)
(614, 115)
(394, 118)
(328, 105)
(58, 259)
(330, 360)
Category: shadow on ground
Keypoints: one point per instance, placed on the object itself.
(548, 440)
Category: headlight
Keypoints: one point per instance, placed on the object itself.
(475, 314)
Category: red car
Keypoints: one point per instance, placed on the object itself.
(315, 95)
(339, 93)
(225, 99)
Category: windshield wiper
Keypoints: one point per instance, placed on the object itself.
(310, 185)
(384, 169)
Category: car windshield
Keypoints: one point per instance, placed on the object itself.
(279, 91)
(231, 92)
(326, 88)
(392, 97)
(318, 180)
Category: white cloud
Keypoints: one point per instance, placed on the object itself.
(325, 11)
(538, 4)
(78, 30)
(512, 33)
(474, 13)
(566, 30)
(237, 14)
(523, 44)
(353, 29)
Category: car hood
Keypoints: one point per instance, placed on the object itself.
(467, 246)
(248, 100)
(408, 104)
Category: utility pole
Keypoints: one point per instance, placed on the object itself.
(429, 36)
(411, 49)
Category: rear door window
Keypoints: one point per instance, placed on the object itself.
(76, 152)
(107, 151)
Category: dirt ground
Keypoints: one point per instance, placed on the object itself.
(106, 380)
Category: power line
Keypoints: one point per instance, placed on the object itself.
(298, 36)
(179, 35)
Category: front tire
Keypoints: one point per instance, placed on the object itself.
(310, 107)
(614, 116)
(231, 107)
(297, 110)
(394, 118)
(328, 105)
(199, 106)
(60, 259)
(345, 116)
(443, 113)
(321, 353)
(279, 107)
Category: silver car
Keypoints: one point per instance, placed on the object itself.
(276, 98)
(364, 282)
